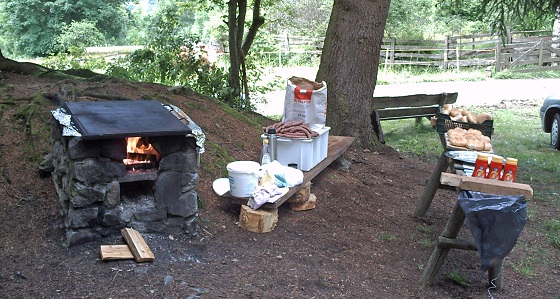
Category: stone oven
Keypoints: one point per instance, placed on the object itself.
(134, 165)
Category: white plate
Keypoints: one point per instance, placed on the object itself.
(221, 186)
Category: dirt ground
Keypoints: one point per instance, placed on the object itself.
(361, 240)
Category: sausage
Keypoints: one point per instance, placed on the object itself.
(294, 135)
(292, 129)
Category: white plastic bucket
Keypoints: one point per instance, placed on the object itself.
(243, 177)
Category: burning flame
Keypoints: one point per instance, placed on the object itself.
(138, 145)
(139, 151)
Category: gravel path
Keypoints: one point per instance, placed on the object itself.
(479, 93)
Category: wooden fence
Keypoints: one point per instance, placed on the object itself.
(450, 52)
(542, 55)
(523, 51)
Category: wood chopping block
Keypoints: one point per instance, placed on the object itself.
(258, 221)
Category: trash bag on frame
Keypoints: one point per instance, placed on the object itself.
(495, 222)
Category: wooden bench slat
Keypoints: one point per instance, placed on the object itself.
(411, 106)
(407, 112)
(414, 100)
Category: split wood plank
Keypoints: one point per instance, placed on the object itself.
(486, 185)
(116, 252)
(137, 245)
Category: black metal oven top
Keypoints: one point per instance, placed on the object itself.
(116, 119)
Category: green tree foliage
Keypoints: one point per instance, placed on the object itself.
(75, 37)
(171, 57)
(303, 18)
(411, 19)
(33, 26)
(460, 17)
(518, 15)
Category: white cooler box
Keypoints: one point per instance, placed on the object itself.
(306, 153)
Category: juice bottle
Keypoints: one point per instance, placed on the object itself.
(480, 165)
(495, 168)
(509, 170)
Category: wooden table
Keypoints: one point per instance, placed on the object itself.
(336, 147)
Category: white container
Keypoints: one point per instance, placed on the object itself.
(243, 177)
(305, 153)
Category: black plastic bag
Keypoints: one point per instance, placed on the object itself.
(495, 222)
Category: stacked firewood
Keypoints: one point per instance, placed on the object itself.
(292, 129)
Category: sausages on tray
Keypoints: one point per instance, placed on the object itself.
(292, 129)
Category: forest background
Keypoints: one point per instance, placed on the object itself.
(175, 36)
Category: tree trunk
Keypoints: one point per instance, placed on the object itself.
(349, 64)
(258, 21)
(237, 10)
(234, 62)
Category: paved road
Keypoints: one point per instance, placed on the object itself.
(479, 93)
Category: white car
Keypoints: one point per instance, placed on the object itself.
(550, 118)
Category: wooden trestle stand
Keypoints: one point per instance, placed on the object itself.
(448, 238)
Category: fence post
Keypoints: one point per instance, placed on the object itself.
(280, 55)
(498, 56)
(286, 42)
(386, 58)
(541, 52)
(458, 56)
(393, 45)
(445, 49)
(509, 36)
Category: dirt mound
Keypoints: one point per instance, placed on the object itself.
(361, 241)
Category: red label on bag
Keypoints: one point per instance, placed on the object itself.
(302, 95)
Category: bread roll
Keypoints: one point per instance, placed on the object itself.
(455, 112)
(447, 107)
(483, 117)
(471, 139)
(459, 141)
(475, 144)
(471, 118)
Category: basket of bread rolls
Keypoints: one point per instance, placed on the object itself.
(471, 139)
(450, 117)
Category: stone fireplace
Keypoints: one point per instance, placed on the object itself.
(125, 175)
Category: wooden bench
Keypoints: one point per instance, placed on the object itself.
(411, 106)
(336, 147)
(265, 218)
